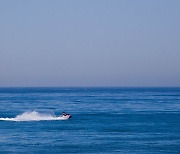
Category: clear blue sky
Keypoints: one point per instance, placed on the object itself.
(89, 43)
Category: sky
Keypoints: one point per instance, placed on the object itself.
(71, 43)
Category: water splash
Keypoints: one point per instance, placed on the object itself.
(33, 116)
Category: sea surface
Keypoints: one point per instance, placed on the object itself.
(104, 120)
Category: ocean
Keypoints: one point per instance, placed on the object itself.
(104, 120)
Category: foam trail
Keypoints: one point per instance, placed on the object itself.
(33, 116)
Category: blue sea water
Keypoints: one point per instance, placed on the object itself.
(104, 120)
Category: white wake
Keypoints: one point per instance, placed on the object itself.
(33, 116)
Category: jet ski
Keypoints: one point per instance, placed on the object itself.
(65, 116)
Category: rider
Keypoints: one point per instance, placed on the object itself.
(64, 114)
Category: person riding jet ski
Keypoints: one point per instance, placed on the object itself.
(66, 115)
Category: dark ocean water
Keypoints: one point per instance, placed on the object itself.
(105, 120)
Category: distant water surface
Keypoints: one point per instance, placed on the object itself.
(105, 120)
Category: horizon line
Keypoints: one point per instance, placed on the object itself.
(90, 87)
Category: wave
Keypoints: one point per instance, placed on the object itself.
(33, 116)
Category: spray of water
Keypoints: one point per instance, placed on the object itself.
(33, 116)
